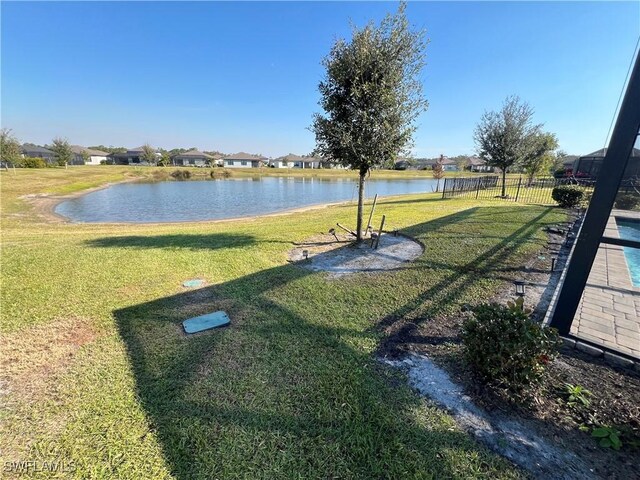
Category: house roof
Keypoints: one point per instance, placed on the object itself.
(194, 153)
(476, 161)
(292, 157)
(245, 156)
(603, 151)
(569, 159)
(35, 149)
(447, 161)
(79, 150)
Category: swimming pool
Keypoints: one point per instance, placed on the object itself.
(630, 230)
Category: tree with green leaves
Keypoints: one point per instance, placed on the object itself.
(149, 154)
(462, 162)
(10, 150)
(371, 96)
(86, 157)
(165, 159)
(62, 151)
(540, 156)
(505, 138)
(558, 161)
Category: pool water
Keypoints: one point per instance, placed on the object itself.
(630, 230)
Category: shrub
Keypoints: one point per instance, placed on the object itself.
(34, 162)
(567, 196)
(506, 347)
(181, 174)
(627, 201)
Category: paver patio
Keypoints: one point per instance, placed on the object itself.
(609, 311)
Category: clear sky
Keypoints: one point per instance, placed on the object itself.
(243, 76)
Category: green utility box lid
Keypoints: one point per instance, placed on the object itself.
(205, 322)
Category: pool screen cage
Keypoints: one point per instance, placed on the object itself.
(599, 297)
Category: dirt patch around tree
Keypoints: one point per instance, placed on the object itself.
(340, 255)
(543, 411)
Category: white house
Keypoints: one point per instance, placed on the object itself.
(87, 156)
(244, 160)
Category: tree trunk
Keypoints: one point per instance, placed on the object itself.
(504, 181)
(360, 205)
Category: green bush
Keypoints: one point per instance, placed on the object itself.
(567, 196)
(627, 201)
(506, 347)
(34, 162)
(181, 174)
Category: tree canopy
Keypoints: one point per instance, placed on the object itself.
(371, 96)
(10, 151)
(506, 137)
(149, 154)
(62, 151)
(540, 156)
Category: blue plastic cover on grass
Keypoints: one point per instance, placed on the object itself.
(193, 283)
(205, 322)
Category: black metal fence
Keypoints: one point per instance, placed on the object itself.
(536, 190)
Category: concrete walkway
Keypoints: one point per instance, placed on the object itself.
(609, 311)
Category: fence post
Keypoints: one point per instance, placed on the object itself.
(444, 187)
(478, 187)
(518, 191)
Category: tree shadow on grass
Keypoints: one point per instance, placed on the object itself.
(291, 389)
(211, 241)
(448, 291)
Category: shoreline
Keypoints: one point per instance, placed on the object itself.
(44, 205)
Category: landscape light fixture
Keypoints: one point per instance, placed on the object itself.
(553, 264)
(520, 289)
(305, 254)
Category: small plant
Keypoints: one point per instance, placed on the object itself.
(567, 196)
(34, 162)
(577, 395)
(609, 437)
(518, 305)
(505, 346)
(181, 174)
(627, 202)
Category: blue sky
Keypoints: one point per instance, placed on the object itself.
(243, 76)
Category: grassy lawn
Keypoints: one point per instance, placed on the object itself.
(97, 371)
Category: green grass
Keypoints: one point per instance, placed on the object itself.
(100, 374)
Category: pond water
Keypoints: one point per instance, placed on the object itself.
(175, 201)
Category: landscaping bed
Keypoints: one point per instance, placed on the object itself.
(545, 410)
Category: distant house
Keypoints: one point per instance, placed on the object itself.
(194, 158)
(404, 163)
(244, 160)
(569, 162)
(34, 151)
(130, 157)
(283, 162)
(295, 161)
(94, 157)
(448, 165)
(593, 163)
(478, 165)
